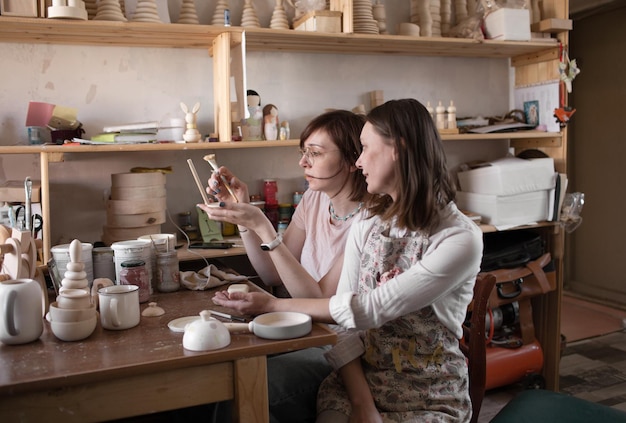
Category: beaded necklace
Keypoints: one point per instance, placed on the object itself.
(331, 209)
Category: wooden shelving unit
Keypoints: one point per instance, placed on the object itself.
(531, 60)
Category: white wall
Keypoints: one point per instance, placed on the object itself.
(111, 85)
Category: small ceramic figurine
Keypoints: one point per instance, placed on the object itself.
(270, 122)
(279, 17)
(254, 125)
(191, 133)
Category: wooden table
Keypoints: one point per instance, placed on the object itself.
(145, 369)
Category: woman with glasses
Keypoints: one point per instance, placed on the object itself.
(407, 280)
(311, 248)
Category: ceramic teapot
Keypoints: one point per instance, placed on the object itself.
(21, 311)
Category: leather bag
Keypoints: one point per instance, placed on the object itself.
(536, 277)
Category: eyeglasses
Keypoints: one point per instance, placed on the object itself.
(311, 155)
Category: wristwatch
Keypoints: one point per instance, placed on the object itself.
(270, 246)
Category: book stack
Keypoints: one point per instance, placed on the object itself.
(136, 206)
(141, 132)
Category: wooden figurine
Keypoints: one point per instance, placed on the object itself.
(191, 133)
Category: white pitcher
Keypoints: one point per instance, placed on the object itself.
(21, 311)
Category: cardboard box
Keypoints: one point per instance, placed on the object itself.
(508, 176)
(500, 210)
(508, 24)
(319, 21)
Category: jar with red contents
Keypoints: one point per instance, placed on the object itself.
(270, 188)
(134, 273)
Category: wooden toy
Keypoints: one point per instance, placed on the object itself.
(191, 133)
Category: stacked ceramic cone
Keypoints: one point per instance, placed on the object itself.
(188, 14)
(136, 206)
(363, 19)
(109, 10)
(219, 13)
(422, 14)
(378, 12)
(279, 17)
(435, 15)
(249, 18)
(146, 11)
(92, 8)
(73, 315)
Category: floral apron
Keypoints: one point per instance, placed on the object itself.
(413, 364)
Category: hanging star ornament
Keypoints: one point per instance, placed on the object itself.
(568, 71)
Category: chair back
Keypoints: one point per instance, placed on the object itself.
(474, 344)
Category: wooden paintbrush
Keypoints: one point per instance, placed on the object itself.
(210, 158)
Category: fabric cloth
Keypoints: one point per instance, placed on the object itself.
(207, 278)
(325, 240)
(408, 293)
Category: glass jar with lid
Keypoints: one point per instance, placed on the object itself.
(168, 273)
(134, 272)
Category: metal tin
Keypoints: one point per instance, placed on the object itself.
(226, 17)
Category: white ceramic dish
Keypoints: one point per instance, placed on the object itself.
(277, 325)
(178, 325)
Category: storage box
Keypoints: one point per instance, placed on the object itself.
(319, 21)
(15, 192)
(499, 210)
(508, 176)
(508, 24)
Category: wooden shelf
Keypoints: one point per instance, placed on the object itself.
(531, 138)
(139, 34)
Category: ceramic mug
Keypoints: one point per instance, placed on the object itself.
(119, 306)
(21, 311)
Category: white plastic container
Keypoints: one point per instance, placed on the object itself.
(103, 263)
(134, 249)
(61, 255)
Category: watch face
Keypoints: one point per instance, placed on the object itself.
(265, 247)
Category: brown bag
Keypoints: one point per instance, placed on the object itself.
(536, 277)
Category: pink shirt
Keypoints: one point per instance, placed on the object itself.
(324, 242)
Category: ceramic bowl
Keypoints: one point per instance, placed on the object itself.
(74, 331)
(73, 299)
(58, 314)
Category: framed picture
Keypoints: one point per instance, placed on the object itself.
(531, 111)
(25, 8)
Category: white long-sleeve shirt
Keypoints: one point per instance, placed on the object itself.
(443, 278)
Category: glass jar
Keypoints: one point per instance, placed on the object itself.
(270, 188)
(134, 272)
(168, 273)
